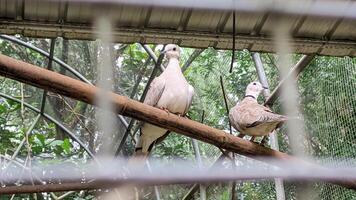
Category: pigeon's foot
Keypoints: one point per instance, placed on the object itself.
(165, 109)
(264, 141)
(179, 114)
(256, 142)
(241, 135)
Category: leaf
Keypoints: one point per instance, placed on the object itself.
(2, 108)
(58, 150)
(36, 149)
(56, 143)
(11, 102)
(41, 138)
(66, 146)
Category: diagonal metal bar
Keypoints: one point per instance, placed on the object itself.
(273, 136)
(58, 61)
(191, 58)
(195, 187)
(202, 188)
(130, 125)
(294, 72)
(48, 117)
(153, 55)
(49, 67)
(155, 187)
(140, 76)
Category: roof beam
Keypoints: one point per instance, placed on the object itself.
(157, 35)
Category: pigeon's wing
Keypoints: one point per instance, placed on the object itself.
(155, 91)
(265, 115)
(189, 99)
(234, 117)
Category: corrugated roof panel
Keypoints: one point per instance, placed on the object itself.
(245, 22)
(8, 8)
(53, 11)
(204, 20)
(345, 31)
(166, 17)
(315, 27)
(80, 13)
(187, 27)
(127, 17)
(3, 9)
(87, 13)
(41, 11)
(30, 10)
(269, 25)
(73, 11)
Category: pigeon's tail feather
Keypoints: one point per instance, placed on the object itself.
(280, 124)
(138, 158)
(144, 147)
(284, 119)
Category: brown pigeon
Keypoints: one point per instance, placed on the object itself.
(251, 118)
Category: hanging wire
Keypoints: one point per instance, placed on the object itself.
(225, 101)
(233, 40)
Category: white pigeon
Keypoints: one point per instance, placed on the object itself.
(171, 92)
(251, 118)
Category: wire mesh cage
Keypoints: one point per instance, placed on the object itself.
(50, 140)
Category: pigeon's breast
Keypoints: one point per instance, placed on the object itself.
(175, 96)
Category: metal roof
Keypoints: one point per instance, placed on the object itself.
(188, 27)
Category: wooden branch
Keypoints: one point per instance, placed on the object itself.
(54, 82)
(81, 91)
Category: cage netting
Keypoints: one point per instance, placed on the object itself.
(327, 90)
(328, 93)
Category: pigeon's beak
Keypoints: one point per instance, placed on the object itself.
(264, 87)
(164, 51)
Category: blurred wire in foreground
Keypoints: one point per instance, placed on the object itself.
(69, 176)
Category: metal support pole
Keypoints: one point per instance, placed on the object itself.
(273, 136)
(153, 55)
(157, 193)
(194, 188)
(49, 67)
(202, 188)
(293, 73)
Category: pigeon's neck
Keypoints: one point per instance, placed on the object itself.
(173, 65)
(251, 95)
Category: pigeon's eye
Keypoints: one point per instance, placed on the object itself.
(174, 49)
(254, 83)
